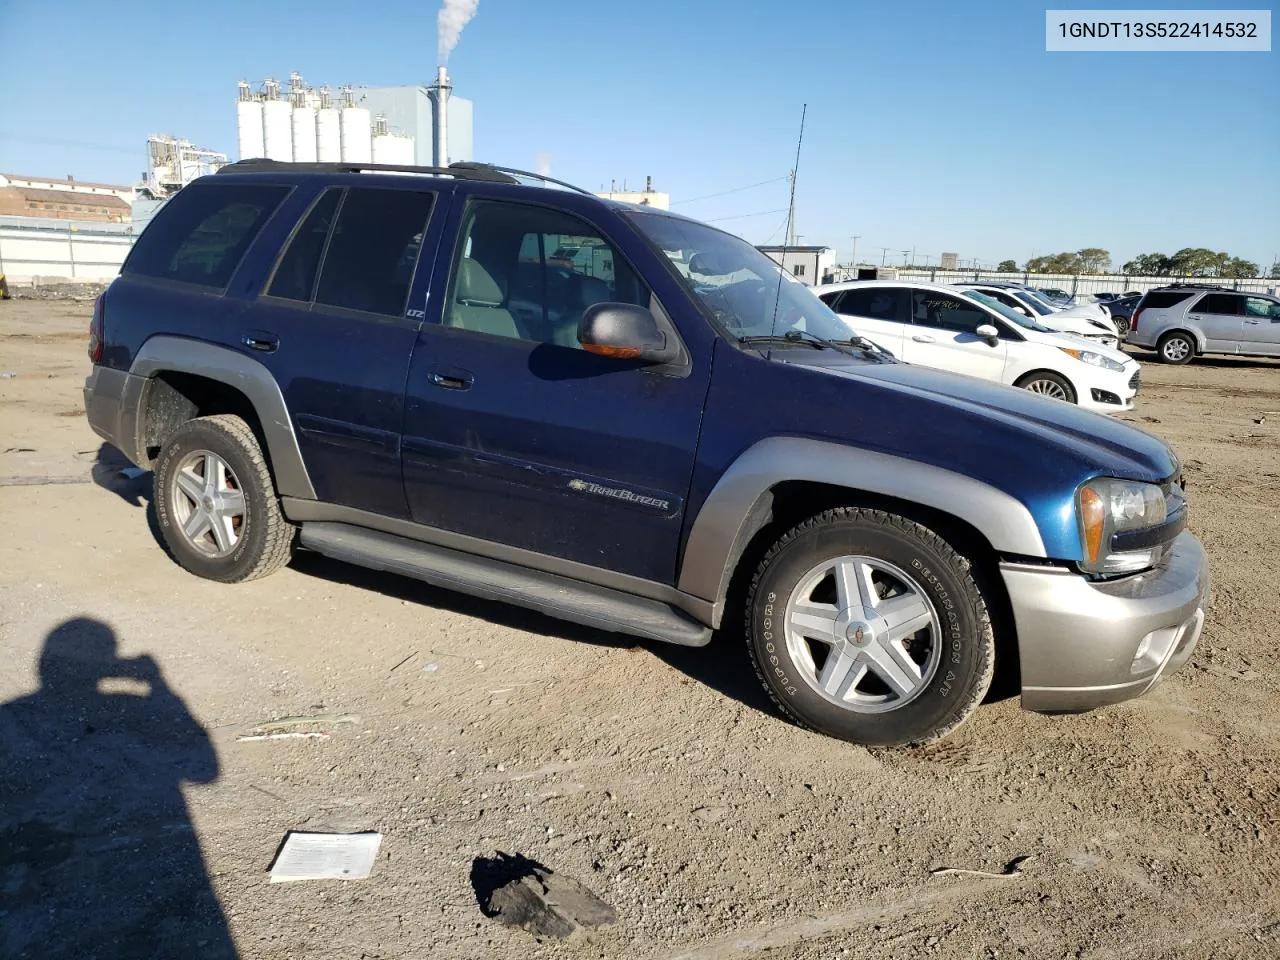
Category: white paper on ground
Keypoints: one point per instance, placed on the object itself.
(326, 856)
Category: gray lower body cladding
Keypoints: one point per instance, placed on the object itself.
(588, 604)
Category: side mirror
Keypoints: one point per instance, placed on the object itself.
(625, 331)
(988, 333)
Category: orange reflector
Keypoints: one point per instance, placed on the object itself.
(604, 351)
(1093, 514)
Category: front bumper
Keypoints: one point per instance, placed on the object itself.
(1107, 391)
(1086, 644)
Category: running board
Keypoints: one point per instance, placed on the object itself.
(584, 603)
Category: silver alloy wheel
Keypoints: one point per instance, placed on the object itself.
(1176, 348)
(208, 503)
(863, 634)
(1048, 388)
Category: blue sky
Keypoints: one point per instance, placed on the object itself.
(933, 126)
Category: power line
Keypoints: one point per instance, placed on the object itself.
(743, 216)
(725, 193)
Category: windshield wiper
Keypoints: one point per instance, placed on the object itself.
(791, 336)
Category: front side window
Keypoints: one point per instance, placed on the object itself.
(373, 250)
(945, 312)
(1261, 307)
(528, 273)
(1221, 303)
(746, 293)
(201, 234)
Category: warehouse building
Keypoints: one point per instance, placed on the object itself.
(63, 199)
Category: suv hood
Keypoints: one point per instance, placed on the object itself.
(1004, 416)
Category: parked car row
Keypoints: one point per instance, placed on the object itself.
(987, 330)
(1185, 320)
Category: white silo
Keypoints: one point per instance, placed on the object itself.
(277, 123)
(357, 135)
(305, 143)
(249, 124)
(401, 150)
(328, 135)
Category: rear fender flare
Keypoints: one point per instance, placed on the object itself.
(224, 365)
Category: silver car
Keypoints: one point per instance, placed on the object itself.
(1182, 321)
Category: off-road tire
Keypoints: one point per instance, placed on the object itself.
(267, 539)
(1168, 343)
(1050, 377)
(967, 664)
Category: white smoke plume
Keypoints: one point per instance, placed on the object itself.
(453, 16)
(543, 161)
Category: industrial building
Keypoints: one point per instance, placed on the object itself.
(809, 265)
(645, 198)
(413, 125)
(63, 199)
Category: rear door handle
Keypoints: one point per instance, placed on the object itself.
(261, 340)
(921, 338)
(459, 381)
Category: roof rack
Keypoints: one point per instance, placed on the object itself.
(1200, 286)
(462, 170)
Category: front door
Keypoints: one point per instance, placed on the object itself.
(1261, 332)
(944, 335)
(516, 435)
(1219, 317)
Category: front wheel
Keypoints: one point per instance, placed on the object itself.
(869, 627)
(1122, 326)
(1049, 384)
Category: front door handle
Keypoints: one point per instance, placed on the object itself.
(451, 381)
(921, 338)
(261, 340)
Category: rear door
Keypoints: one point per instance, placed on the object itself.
(1261, 331)
(336, 327)
(878, 313)
(1220, 317)
(944, 335)
(517, 436)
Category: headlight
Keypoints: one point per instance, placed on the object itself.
(1108, 507)
(1094, 359)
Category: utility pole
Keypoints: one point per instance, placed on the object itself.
(904, 257)
(853, 259)
(884, 253)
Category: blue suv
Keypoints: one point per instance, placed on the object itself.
(660, 435)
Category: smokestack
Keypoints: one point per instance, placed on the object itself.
(648, 184)
(440, 90)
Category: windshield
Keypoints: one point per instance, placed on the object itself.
(1034, 302)
(1010, 314)
(739, 284)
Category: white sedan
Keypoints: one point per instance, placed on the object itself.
(968, 332)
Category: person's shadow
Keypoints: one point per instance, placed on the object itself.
(98, 856)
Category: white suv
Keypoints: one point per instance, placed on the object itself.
(1183, 320)
(936, 325)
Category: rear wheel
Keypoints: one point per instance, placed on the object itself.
(216, 505)
(1049, 384)
(869, 627)
(1176, 348)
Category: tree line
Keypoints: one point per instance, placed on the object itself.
(1187, 262)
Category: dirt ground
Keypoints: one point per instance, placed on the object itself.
(659, 777)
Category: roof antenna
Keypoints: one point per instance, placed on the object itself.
(791, 215)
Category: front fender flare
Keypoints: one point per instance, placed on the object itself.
(723, 526)
(224, 365)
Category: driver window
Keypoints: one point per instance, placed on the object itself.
(930, 309)
(528, 273)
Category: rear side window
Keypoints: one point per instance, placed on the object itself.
(877, 303)
(1227, 303)
(373, 250)
(930, 309)
(1164, 298)
(201, 234)
(295, 277)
